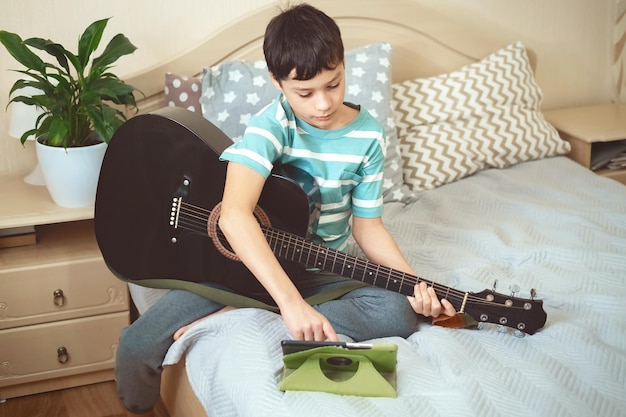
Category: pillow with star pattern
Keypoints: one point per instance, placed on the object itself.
(235, 90)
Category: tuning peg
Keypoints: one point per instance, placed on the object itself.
(514, 289)
(519, 333)
(495, 284)
(501, 328)
(533, 293)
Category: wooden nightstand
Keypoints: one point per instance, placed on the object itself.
(589, 127)
(61, 309)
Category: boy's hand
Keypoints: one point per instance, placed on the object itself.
(306, 323)
(426, 303)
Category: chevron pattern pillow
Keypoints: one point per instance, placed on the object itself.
(485, 115)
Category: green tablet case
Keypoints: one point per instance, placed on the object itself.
(362, 372)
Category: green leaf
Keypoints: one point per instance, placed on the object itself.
(36, 81)
(127, 100)
(57, 133)
(89, 41)
(110, 88)
(28, 133)
(106, 120)
(43, 123)
(53, 48)
(18, 50)
(31, 101)
(116, 48)
(19, 84)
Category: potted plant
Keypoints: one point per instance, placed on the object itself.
(81, 101)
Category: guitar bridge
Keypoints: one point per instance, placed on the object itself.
(175, 213)
(182, 191)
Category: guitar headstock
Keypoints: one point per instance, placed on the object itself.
(524, 315)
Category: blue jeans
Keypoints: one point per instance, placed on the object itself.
(364, 313)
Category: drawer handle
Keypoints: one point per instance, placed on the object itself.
(59, 298)
(62, 355)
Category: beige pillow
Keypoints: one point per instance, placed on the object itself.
(485, 115)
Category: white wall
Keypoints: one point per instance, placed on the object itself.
(572, 39)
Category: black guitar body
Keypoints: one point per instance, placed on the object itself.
(174, 153)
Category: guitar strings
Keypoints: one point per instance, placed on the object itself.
(194, 218)
(198, 217)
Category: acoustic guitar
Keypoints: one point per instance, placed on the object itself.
(158, 202)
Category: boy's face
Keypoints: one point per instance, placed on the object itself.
(318, 101)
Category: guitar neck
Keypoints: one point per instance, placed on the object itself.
(524, 315)
(312, 255)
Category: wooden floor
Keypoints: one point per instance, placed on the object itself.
(97, 400)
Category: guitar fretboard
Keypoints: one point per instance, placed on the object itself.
(305, 252)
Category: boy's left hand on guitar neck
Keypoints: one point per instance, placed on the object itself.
(426, 303)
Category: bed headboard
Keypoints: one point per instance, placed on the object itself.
(425, 41)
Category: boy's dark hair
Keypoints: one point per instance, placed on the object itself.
(304, 38)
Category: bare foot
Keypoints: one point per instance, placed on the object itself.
(178, 333)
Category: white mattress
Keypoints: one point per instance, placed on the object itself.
(549, 225)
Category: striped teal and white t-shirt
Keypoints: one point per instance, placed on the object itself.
(347, 163)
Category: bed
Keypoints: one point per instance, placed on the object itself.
(511, 213)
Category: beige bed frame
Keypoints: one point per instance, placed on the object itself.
(425, 41)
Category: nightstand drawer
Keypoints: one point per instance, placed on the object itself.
(58, 291)
(60, 349)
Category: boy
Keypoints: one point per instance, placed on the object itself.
(342, 146)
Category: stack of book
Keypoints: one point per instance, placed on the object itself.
(17, 236)
(611, 155)
(617, 162)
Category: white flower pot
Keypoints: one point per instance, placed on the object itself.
(71, 174)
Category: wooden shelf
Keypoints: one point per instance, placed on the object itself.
(59, 242)
(23, 204)
(590, 124)
(587, 127)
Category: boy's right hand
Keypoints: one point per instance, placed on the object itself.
(306, 323)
